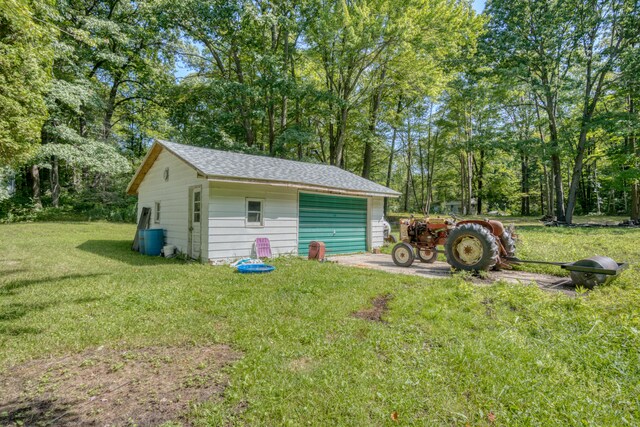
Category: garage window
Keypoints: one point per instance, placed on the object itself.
(255, 215)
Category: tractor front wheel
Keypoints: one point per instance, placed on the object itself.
(402, 254)
(471, 247)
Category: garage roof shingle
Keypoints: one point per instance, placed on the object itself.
(230, 165)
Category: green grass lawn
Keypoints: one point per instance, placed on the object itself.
(448, 353)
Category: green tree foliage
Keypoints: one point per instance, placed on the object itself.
(111, 70)
(564, 51)
(26, 56)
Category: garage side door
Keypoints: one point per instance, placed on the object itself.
(339, 222)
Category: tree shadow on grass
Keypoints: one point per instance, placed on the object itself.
(16, 331)
(37, 411)
(15, 311)
(12, 286)
(120, 250)
(6, 273)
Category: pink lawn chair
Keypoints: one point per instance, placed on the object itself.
(263, 247)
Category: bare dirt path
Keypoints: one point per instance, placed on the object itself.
(442, 270)
(100, 387)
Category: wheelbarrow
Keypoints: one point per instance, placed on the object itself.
(588, 272)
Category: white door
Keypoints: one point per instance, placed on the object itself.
(195, 217)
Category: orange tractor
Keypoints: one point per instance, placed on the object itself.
(475, 245)
(470, 245)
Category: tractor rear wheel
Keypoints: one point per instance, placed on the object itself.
(402, 254)
(427, 255)
(471, 247)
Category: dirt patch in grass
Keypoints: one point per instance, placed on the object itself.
(376, 312)
(147, 386)
(301, 364)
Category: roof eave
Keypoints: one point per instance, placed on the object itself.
(289, 184)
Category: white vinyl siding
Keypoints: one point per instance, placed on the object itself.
(173, 196)
(231, 237)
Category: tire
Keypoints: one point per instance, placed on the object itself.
(402, 254)
(426, 255)
(390, 238)
(509, 243)
(471, 247)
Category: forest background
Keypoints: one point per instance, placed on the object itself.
(528, 108)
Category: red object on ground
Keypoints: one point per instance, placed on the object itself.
(317, 250)
(263, 247)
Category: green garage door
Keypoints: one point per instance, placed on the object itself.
(339, 222)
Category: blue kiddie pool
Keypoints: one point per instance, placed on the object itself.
(255, 268)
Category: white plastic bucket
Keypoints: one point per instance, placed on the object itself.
(169, 250)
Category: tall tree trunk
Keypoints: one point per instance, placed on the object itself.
(341, 134)
(422, 175)
(542, 194)
(635, 201)
(35, 180)
(576, 174)
(463, 180)
(392, 153)
(55, 182)
(548, 192)
(635, 152)
(480, 179)
(612, 202)
(433, 147)
(594, 85)
(298, 126)
(285, 62)
(76, 180)
(597, 188)
(373, 124)
(552, 193)
(524, 184)
(245, 109)
(390, 167)
(272, 131)
(556, 164)
(108, 114)
(409, 179)
(548, 177)
(556, 167)
(469, 182)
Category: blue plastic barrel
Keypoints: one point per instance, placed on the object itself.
(153, 241)
(141, 239)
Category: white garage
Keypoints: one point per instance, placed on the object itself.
(213, 204)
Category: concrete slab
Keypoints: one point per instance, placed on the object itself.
(442, 270)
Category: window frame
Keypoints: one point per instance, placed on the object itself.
(197, 191)
(156, 212)
(247, 212)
